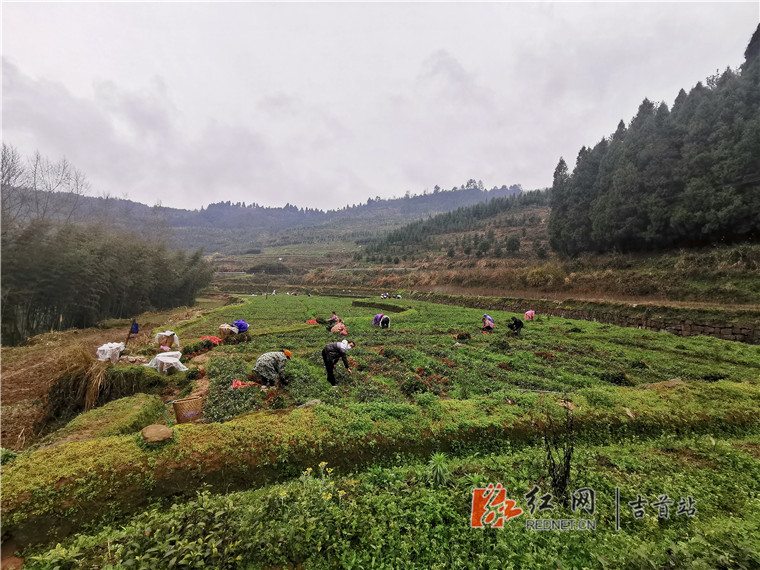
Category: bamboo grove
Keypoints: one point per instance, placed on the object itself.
(58, 274)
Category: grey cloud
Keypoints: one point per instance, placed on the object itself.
(145, 115)
(46, 117)
(328, 104)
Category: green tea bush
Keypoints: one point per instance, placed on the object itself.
(476, 383)
(500, 345)
(224, 402)
(714, 376)
(370, 393)
(431, 404)
(618, 378)
(379, 411)
(598, 397)
(58, 558)
(303, 367)
(193, 348)
(222, 371)
(237, 338)
(303, 388)
(412, 384)
(416, 515)
(200, 533)
(405, 518)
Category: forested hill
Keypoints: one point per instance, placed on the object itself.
(674, 177)
(217, 226)
(228, 214)
(463, 219)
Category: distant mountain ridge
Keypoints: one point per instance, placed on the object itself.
(252, 215)
(218, 226)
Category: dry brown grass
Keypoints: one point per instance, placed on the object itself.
(87, 372)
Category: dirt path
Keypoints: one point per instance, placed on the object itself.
(28, 372)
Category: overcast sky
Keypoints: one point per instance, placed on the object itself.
(328, 104)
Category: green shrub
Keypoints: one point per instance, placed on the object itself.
(224, 402)
(58, 558)
(305, 388)
(380, 411)
(619, 378)
(237, 338)
(439, 473)
(370, 393)
(500, 345)
(200, 533)
(196, 347)
(222, 371)
(548, 276)
(412, 384)
(714, 376)
(431, 404)
(7, 455)
(598, 397)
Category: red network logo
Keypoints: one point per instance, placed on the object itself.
(490, 507)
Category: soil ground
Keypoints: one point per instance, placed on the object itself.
(27, 372)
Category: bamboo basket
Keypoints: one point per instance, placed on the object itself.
(188, 410)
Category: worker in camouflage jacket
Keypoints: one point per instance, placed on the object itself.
(270, 366)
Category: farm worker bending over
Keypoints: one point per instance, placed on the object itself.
(384, 321)
(270, 365)
(488, 324)
(333, 319)
(340, 327)
(334, 352)
(515, 326)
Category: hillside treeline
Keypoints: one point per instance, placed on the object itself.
(59, 274)
(464, 219)
(684, 176)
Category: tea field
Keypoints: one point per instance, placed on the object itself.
(660, 433)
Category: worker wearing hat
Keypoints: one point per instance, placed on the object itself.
(270, 366)
(332, 354)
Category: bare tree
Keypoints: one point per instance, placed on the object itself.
(39, 191)
(13, 177)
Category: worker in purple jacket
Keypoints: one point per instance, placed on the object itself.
(381, 320)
